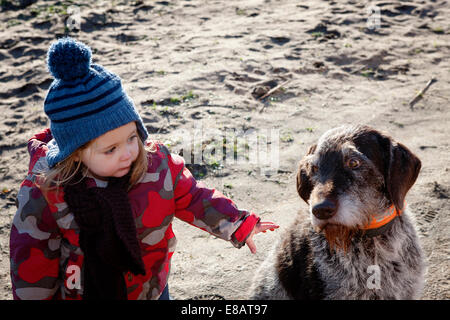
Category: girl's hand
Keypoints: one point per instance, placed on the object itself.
(259, 227)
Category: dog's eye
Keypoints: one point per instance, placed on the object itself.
(353, 163)
(314, 169)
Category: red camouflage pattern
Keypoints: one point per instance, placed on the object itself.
(46, 260)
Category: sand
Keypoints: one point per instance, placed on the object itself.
(191, 65)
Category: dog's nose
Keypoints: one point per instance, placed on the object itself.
(324, 210)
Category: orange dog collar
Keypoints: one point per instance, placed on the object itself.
(381, 219)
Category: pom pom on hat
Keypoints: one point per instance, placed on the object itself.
(68, 59)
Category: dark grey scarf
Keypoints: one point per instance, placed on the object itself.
(107, 237)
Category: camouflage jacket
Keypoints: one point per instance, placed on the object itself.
(46, 260)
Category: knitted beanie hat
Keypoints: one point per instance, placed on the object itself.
(84, 101)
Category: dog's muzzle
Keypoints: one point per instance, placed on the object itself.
(324, 210)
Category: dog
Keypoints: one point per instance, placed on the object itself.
(361, 242)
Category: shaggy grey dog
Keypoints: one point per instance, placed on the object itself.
(361, 242)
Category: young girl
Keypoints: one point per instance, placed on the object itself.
(94, 218)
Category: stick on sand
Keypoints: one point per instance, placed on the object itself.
(270, 92)
(421, 93)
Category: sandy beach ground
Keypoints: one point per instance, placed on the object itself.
(284, 69)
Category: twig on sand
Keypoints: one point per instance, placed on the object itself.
(210, 105)
(270, 92)
(421, 93)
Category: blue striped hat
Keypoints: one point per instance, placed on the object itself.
(84, 101)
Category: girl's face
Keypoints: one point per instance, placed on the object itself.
(113, 153)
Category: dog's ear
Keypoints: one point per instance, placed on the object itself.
(399, 166)
(402, 172)
(304, 184)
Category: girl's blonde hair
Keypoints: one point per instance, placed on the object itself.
(65, 171)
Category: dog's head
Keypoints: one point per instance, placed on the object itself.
(352, 173)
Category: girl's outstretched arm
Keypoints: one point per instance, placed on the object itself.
(208, 209)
